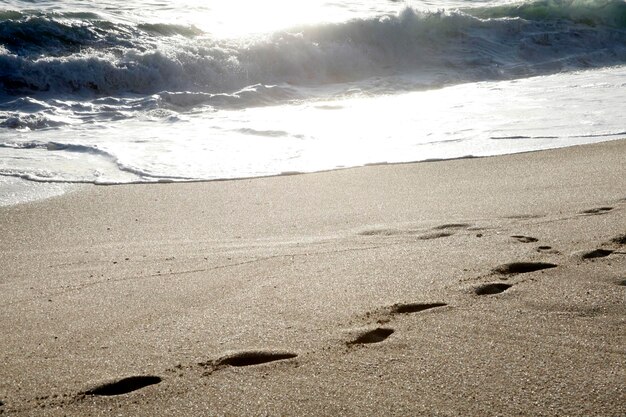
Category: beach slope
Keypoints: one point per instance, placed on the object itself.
(489, 286)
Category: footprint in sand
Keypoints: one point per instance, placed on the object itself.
(373, 336)
(396, 232)
(255, 357)
(523, 216)
(596, 253)
(380, 232)
(123, 386)
(452, 226)
(597, 210)
(492, 288)
(522, 267)
(443, 230)
(546, 249)
(437, 235)
(525, 239)
(414, 307)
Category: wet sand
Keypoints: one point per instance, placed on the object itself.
(491, 286)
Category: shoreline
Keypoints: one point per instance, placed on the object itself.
(59, 188)
(478, 286)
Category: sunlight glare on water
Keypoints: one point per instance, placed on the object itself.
(232, 19)
(240, 18)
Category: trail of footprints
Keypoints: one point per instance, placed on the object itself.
(366, 337)
(380, 334)
(238, 359)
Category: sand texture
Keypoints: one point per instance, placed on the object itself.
(492, 286)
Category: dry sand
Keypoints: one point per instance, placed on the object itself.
(492, 286)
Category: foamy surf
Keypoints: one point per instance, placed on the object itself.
(107, 96)
(320, 135)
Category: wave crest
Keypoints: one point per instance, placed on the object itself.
(106, 59)
(610, 13)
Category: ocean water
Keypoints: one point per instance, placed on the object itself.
(133, 91)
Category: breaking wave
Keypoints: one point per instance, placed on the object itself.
(81, 55)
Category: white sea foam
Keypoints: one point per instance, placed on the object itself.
(506, 117)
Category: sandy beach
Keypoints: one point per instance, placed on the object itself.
(489, 286)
